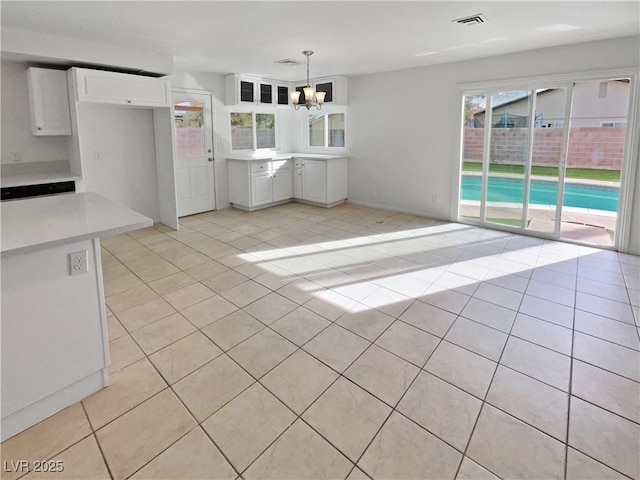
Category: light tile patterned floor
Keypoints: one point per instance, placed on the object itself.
(299, 342)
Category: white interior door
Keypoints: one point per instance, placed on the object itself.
(194, 153)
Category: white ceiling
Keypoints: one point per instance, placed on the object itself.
(349, 38)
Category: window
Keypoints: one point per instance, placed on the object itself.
(188, 118)
(613, 124)
(326, 130)
(251, 131)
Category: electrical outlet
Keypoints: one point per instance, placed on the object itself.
(435, 198)
(96, 156)
(78, 262)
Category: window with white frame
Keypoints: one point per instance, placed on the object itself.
(326, 130)
(613, 124)
(252, 131)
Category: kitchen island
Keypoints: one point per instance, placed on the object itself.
(55, 348)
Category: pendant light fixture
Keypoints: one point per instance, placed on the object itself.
(312, 98)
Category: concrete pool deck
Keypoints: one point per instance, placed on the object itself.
(580, 224)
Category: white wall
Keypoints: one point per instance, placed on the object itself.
(16, 121)
(125, 171)
(403, 125)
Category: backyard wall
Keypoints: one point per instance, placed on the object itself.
(589, 147)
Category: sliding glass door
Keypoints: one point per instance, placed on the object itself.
(546, 160)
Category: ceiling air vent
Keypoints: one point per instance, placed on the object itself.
(471, 20)
(288, 62)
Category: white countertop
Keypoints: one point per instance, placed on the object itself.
(249, 157)
(42, 222)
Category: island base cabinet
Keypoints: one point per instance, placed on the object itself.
(54, 340)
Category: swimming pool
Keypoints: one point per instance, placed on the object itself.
(542, 192)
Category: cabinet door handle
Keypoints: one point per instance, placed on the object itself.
(128, 101)
(39, 128)
(210, 159)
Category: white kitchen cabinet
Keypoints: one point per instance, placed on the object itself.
(335, 89)
(245, 89)
(314, 180)
(114, 88)
(261, 189)
(321, 181)
(255, 184)
(49, 101)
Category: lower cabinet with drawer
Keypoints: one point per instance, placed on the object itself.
(259, 184)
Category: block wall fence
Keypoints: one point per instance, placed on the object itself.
(589, 147)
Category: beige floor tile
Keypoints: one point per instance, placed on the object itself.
(120, 284)
(489, 314)
(261, 352)
(609, 356)
(553, 293)
(152, 268)
(299, 380)
(444, 410)
(245, 293)
(298, 290)
(446, 299)
(188, 296)
(224, 280)
(206, 312)
(123, 352)
(499, 295)
(212, 386)
(408, 342)
(382, 374)
(270, 308)
(581, 467)
(248, 424)
(302, 454)
(464, 369)
(193, 456)
(114, 327)
(232, 329)
(387, 301)
(206, 270)
(545, 334)
(428, 318)
(136, 296)
(330, 305)
(533, 402)
(184, 356)
(83, 460)
(171, 283)
(604, 436)
(300, 326)
(348, 417)
(127, 388)
(404, 450)
(602, 306)
(546, 310)
(139, 435)
(337, 347)
(607, 329)
(607, 390)
(367, 322)
(512, 449)
(357, 474)
(159, 334)
(46, 439)
(470, 470)
(540, 363)
(478, 338)
(142, 315)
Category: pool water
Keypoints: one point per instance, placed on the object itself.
(542, 192)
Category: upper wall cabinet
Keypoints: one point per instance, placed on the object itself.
(335, 89)
(246, 89)
(113, 88)
(49, 101)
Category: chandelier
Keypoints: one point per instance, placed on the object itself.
(312, 98)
